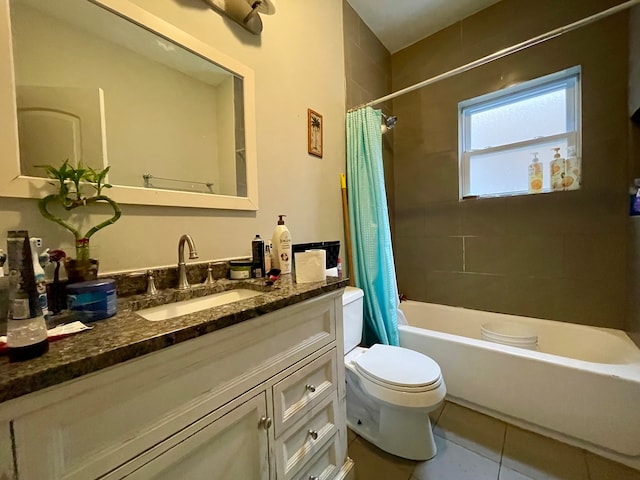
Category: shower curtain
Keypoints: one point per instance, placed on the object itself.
(373, 268)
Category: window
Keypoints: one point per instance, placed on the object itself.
(500, 132)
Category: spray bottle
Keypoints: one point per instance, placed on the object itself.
(38, 271)
(26, 328)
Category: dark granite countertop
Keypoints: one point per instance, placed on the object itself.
(127, 335)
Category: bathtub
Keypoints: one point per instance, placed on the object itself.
(581, 385)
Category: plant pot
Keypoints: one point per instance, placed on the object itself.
(81, 271)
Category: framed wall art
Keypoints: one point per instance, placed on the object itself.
(314, 126)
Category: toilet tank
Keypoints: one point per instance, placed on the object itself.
(352, 317)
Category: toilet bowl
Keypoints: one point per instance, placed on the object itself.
(390, 390)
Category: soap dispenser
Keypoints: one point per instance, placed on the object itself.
(557, 168)
(535, 174)
(573, 173)
(281, 253)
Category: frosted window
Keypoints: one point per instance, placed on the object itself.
(500, 131)
(538, 116)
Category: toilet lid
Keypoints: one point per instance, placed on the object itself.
(397, 366)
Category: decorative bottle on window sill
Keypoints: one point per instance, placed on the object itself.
(573, 173)
(535, 174)
(557, 167)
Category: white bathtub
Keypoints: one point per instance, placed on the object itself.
(581, 386)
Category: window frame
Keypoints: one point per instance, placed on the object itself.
(571, 78)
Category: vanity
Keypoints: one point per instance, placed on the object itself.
(250, 390)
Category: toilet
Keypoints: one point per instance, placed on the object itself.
(390, 390)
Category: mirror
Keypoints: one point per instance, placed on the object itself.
(107, 83)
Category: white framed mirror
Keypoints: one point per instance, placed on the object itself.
(107, 83)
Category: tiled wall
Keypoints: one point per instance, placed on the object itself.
(368, 76)
(634, 153)
(560, 256)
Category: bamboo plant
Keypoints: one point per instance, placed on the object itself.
(72, 182)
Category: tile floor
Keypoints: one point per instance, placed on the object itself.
(472, 446)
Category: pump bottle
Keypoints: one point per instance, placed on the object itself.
(281, 253)
(535, 175)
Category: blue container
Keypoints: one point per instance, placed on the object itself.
(92, 300)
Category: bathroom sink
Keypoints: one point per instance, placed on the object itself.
(171, 310)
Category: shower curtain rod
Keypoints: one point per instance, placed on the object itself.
(503, 53)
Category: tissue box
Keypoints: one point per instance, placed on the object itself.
(332, 248)
(310, 266)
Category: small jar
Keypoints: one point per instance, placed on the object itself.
(240, 269)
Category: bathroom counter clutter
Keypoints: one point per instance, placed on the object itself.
(127, 335)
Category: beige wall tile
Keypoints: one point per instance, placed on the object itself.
(487, 254)
(603, 469)
(483, 291)
(442, 218)
(443, 288)
(410, 222)
(443, 253)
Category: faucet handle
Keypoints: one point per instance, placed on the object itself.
(151, 284)
(209, 280)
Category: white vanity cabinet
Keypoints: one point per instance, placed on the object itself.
(263, 399)
(6, 455)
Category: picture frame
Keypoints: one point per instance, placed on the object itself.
(314, 133)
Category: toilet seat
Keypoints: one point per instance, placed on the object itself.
(398, 369)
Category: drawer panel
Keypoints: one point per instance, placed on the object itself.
(301, 391)
(304, 439)
(324, 465)
(87, 427)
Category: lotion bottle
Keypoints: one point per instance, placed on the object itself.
(557, 169)
(572, 178)
(535, 175)
(281, 253)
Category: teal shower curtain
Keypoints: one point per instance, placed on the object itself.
(373, 268)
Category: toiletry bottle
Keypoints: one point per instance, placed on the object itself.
(267, 256)
(572, 176)
(26, 328)
(281, 256)
(339, 268)
(535, 175)
(557, 168)
(257, 252)
(38, 271)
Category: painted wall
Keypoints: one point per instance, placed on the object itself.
(560, 256)
(299, 64)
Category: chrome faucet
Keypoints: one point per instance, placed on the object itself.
(183, 283)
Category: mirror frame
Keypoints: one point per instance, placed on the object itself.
(12, 184)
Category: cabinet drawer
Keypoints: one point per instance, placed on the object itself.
(304, 439)
(324, 465)
(301, 391)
